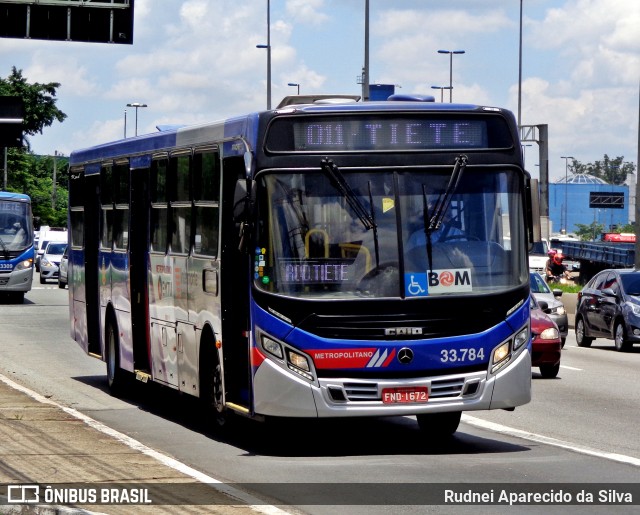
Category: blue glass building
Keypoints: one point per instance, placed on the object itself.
(569, 204)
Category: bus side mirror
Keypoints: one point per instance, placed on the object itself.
(243, 199)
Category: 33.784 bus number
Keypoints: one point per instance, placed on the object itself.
(461, 355)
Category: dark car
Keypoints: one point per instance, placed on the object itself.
(545, 339)
(609, 307)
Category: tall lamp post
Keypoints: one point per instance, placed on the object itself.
(294, 85)
(268, 47)
(441, 88)
(566, 187)
(451, 52)
(137, 105)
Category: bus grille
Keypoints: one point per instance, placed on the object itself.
(392, 327)
(362, 392)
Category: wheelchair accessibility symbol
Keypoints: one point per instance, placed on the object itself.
(415, 285)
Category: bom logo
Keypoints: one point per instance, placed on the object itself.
(441, 281)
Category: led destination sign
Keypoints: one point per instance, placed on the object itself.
(399, 133)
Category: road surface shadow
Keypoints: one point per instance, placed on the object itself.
(288, 437)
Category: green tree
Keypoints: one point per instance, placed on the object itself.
(28, 173)
(612, 171)
(589, 232)
(39, 101)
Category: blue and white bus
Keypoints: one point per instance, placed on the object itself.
(317, 260)
(16, 245)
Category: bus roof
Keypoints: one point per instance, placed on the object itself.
(246, 127)
(10, 195)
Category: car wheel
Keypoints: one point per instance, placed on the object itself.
(620, 338)
(581, 337)
(562, 340)
(42, 280)
(439, 424)
(549, 371)
(61, 285)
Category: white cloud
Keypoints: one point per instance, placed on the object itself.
(306, 11)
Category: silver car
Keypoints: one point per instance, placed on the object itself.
(555, 308)
(51, 261)
(64, 262)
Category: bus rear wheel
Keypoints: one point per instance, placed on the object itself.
(439, 424)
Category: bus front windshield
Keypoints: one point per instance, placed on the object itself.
(389, 233)
(15, 234)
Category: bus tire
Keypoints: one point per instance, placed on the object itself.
(116, 377)
(439, 424)
(581, 334)
(211, 389)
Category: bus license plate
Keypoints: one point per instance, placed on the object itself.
(405, 395)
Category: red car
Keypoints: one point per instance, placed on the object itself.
(546, 340)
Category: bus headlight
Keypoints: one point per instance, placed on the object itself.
(299, 364)
(500, 355)
(272, 347)
(24, 265)
(521, 338)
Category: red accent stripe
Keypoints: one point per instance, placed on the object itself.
(388, 360)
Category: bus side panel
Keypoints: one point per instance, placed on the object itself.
(162, 320)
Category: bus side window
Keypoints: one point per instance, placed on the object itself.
(206, 195)
(180, 233)
(159, 206)
(76, 206)
(121, 199)
(106, 200)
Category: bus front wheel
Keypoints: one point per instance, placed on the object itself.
(115, 375)
(439, 424)
(212, 385)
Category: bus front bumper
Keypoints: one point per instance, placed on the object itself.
(17, 280)
(280, 393)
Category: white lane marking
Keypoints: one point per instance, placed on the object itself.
(245, 498)
(491, 426)
(571, 368)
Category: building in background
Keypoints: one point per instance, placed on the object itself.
(569, 204)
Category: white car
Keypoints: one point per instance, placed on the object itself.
(50, 261)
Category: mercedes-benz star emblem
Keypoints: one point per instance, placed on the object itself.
(405, 355)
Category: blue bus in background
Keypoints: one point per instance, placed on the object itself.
(323, 259)
(16, 246)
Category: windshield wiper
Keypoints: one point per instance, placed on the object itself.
(432, 220)
(340, 183)
(444, 199)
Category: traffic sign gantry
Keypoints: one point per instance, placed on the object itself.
(89, 21)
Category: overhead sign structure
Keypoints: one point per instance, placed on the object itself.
(86, 21)
(610, 200)
(11, 121)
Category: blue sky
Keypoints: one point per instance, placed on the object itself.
(196, 60)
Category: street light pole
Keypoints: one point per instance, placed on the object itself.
(451, 52)
(268, 47)
(137, 105)
(566, 186)
(441, 88)
(295, 84)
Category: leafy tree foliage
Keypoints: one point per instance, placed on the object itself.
(613, 171)
(31, 174)
(39, 101)
(589, 232)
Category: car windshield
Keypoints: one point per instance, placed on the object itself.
(353, 236)
(538, 285)
(15, 225)
(631, 283)
(56, 248)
